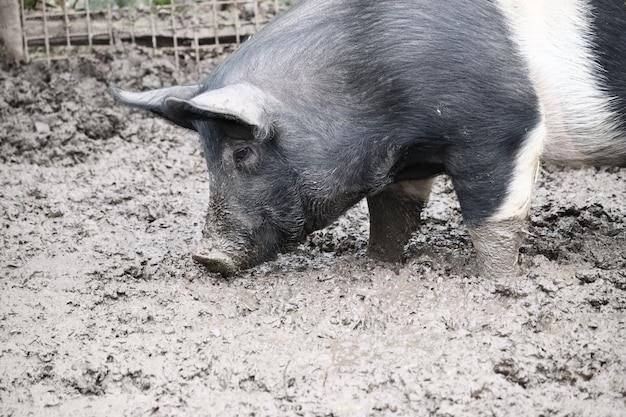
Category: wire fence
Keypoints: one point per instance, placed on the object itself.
(53, 30)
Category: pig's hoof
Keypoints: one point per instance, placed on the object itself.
(385, 254)
(215, 261)
(497, 247)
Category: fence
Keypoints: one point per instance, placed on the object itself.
(56, 29)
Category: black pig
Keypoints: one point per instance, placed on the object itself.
(337, 100)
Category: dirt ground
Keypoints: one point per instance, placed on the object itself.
(103, 312)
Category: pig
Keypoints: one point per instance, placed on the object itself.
(339, 100)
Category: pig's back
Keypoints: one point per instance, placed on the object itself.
(419, 68)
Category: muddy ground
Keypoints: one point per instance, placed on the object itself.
(103, 312)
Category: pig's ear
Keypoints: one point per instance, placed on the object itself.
(156, 101)
(243, 103)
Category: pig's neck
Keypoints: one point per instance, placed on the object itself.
(352, 168)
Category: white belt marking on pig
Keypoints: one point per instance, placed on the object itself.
(576, 117)
(553, 37)
(517, 201)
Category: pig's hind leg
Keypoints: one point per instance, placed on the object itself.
(495, 200)
(394, 216)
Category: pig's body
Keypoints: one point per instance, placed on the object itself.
(339, 100)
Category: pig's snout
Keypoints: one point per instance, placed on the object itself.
(214, 260)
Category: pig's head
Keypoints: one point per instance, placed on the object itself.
(255, 208)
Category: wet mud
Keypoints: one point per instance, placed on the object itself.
(104, 313)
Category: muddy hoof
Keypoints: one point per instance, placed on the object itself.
(394, 256)
(215, 261)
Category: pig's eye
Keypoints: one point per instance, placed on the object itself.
(241, 155)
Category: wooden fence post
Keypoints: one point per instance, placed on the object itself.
(11, 28)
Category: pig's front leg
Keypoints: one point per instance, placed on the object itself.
(495, 189)
(394, 216)
(497, 246)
